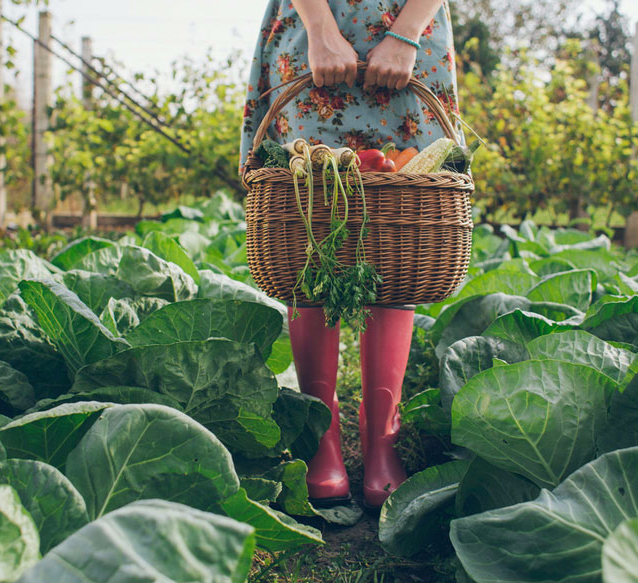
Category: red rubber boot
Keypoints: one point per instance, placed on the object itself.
(315, 348)
(385, 346)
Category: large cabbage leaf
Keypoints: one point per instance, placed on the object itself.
(522, 327)
(150, 275)
(573, 287)
(19, 544)
(151, 540)
(620, 554)
(19, 264)
(55, 505)
(471, 316)
(168, 249)
(469, 356)
(221, 383)
(202, 319)
(25, 346)
(557, 537)
(49, 436)
(584, 348)
(536, 418)
(75, 330)
(96, 289)
(75, 251)
(408, 517)
(614, 318)
(134, 452)
(217, 286)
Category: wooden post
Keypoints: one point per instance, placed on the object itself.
(594, 79)
(42, 187)
(631, 224)
(578, 210)
(3, 192)
(87, 86)
(89, 213)
(634, 78)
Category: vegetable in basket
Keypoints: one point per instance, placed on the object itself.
(431, 159)
(344, 290)
(402, 157)
(318, 154)
(460, 158)
(443, 154)
(272, 155)
(376, 160)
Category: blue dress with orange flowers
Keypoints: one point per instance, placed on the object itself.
(341, 116)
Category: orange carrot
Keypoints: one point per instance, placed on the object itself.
(393, 154)
(404, 157)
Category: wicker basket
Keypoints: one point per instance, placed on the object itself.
(420, 228)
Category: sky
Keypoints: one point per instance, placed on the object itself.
(147, 35)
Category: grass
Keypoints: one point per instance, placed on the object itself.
(546, 217)
(129, 205)
(354, 555)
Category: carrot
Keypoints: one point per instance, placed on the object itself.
(393, 154)
(404, 157)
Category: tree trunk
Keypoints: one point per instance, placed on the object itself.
(577, 211)
(89, 211)
(140, 208)
(630, 240)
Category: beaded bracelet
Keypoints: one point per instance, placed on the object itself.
(405, 39)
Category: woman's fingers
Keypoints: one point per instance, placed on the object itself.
(402, 81)
(332, 60)
(318, 77)
(339, 74)
(380, 77)
(335, 74)
(351, 73)
(390, 64)
(399, 80)
(329, 76)
(393, 79)
(370, 78)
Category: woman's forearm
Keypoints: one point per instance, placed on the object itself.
(333, 60)
(316, 16)
(415, 17)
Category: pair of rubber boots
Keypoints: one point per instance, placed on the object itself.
(384, 350)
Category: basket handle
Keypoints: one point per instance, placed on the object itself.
(297, 85)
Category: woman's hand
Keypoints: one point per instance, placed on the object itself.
(390, 64)
(331, 57)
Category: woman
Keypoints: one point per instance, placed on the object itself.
(397, 39)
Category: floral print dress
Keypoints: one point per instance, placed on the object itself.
(339, 115)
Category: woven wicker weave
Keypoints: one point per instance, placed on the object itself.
(420, 228)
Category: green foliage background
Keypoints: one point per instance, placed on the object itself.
(547, 149)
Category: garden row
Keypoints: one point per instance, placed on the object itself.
(146, 378)
(538, 401)
(141, 383)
